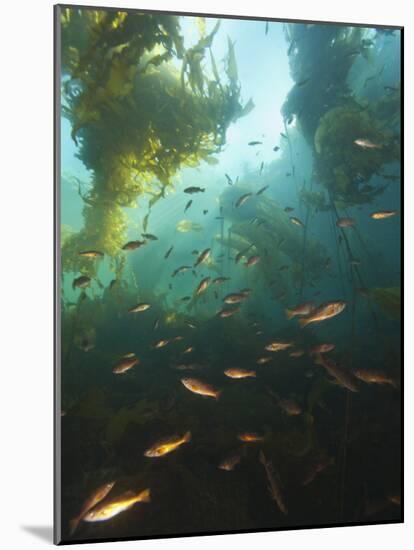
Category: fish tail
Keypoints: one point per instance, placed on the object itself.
(289, 313)
(144, 496)
(218, 393)
(73, 524)
(187, 437)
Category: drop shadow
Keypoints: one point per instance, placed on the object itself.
(43, 532)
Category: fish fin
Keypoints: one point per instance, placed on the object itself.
(73, 524)
(303, 322)
(187, 437)
(289, 313)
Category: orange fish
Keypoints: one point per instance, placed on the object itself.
(92, 501)
(201, 388)
(323, 312)
(240, 373)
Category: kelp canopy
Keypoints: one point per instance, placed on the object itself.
(137, 118)
(331, 117)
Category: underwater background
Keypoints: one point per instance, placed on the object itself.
(230, 274)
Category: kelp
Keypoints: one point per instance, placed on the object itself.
(344, 167)
(388, 299)
(268, 228)
(137, 119)
(331, 117)
(141, 413)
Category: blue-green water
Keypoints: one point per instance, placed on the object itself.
(136, 132)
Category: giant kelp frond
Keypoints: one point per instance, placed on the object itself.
(137, 118)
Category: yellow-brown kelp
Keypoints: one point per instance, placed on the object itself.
(135, 117)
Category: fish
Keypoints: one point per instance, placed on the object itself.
(284, 136)
(191, 366)
(200, 388)
(189, 350)
(261, 168)
(240, 373)
(229, 180)
(366, 144)
(228, 312)
(262, 190)
(302, 309)
(375, 377)
(297, 353)
(91, 254)
(274, 484)
(316, 468)
(253, 260)
(203, 257)
(81, 282)
(96, 497)
(323, 312)
(139, 307)
(109, 509)
(202, 287)
(133, 245)
(190, 325)
(195, 252)
(241, 200)
(240, 255)
(187, 206)
(278, 346)
(234, 298)
(149, 236)
(205, 212)
(344, 377)
(289, 209)
(160, 343)
(276, 148)
(178, 338)
(345, 222)
(289, 406)
(180, 269)
(296, 221)
(167, 445)
(230, 462)
(156, 324)
(125, 364)
(264, 360)
(302, 82)
(250, 437)
(192, 190)
(220, 280)
(168, 252)
(322, 348)
(185, 226)
(383, 214)
(185, 298)
(253, 143)
(246, 292)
